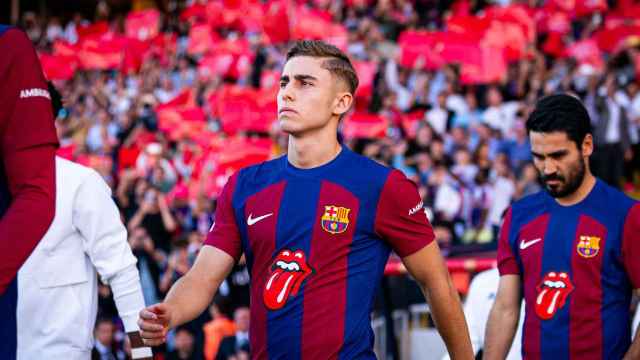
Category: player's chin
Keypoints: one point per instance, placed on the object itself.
(289, 126)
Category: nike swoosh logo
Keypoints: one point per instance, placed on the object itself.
(251, 220)
(526, 244)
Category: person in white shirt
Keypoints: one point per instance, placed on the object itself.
(480, 299)
(58, 284)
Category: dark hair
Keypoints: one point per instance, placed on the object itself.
(337, 62)
(561, 113)
(56, 99)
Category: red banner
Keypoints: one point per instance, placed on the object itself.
(275, 22)
(143, 24)
(58, 67)
(201, 39)
(362, 125)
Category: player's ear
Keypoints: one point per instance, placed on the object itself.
(587, 145)
(342, 103)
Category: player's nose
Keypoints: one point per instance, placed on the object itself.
(287, 93)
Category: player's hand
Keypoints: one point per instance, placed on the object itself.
(154, 324)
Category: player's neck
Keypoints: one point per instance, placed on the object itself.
(307, 152)
(581, 193)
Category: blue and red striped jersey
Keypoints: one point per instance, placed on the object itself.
(316, 243)
(578, 265)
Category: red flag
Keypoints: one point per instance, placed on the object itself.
(518, 14)
(586, 52)
(276, 21)
(415, 45)
(244, 109)
(316, 24)
(362, 125)
(611, 40)
(134, 54)
(200, 39)
(58, 67)
(143, 24)
(101, 54)
(588, 7)
(63, 48)
(196, 13)
(366, 73)
(93, 30)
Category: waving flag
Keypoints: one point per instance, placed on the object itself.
(143, 24)
(363, 125)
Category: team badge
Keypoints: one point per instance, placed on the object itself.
(588, 246)
(552, 294)
(287, 273)
(335, 219)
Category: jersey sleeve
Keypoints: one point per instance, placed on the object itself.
(400, 217)
(507, 263)
(28, 143)
(224, 233)
(631, 245)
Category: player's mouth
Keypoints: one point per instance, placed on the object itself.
(288, 272)
(286, 110)
(552, 294)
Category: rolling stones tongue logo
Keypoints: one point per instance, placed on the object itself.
(288, 271)
(552, 294)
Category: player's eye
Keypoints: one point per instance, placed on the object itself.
(305, 83)
(283, 84)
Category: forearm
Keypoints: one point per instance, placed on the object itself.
(449, 318)
(168, 220)
(634, 350)
(135, 221)
(189, 297)
(501, 328)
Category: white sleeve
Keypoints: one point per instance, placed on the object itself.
(97, 218)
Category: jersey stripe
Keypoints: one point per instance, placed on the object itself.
(261, 246)
(297, 211)
(585, 328)
(326, 297)
(8, 324)
(531, 260)
(557, 258)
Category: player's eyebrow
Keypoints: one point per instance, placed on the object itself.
(555, 154)
(299, 77)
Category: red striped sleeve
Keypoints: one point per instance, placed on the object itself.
(224, 233)
(28, 142)
(631, 245)
(506, 260)
(400, 217)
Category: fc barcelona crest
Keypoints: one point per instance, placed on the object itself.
(335, 219)
(588, 246)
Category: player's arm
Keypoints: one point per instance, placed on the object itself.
(634, 350)
(430, 271)
(630, 256)
(188, 297)
(505, 313)
(104, 236)
(192, 293)
(402, 222)
(28, 143)
(503, 318)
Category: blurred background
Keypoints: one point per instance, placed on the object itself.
(167, 98)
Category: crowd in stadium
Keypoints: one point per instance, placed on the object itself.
(162, 126)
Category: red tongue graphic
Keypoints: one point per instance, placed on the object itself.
(279, 286)
(548, 301)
